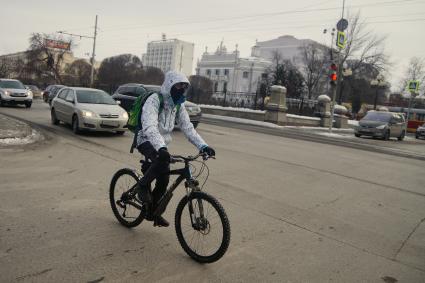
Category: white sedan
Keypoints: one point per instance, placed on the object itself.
(88, 109)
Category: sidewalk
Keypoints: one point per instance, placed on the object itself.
(315, 130)
(14, 132)
(410, 147)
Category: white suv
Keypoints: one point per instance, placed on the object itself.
(14, 92)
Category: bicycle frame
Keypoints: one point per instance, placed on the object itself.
(183, 174)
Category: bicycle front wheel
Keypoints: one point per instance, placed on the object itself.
(121, 201)
(202, 227)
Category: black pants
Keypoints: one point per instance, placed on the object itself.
(157, 170)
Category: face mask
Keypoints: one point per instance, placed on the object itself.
(178, 95)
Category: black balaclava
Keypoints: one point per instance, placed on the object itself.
(178, 95)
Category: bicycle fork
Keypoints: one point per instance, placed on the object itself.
(198, 222)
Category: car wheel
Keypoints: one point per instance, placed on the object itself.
(28, 104)
(120, 133)
(195, 124)
(1, 102)
(401, 137)
(54, 119)
(357, 135)
(417, 136)
(45, 98)
(386, 135)
(75, 126)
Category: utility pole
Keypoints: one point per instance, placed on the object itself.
(93, 53)
(94, 47)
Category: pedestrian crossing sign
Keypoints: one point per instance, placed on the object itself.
(413, 86)
(341, 39)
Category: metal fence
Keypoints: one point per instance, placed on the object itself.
(256, 101)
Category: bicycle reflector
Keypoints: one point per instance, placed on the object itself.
(332, 76)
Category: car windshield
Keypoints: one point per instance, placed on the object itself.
(12, 84)
(94, 97)
(376, 116)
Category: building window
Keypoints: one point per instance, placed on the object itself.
(264, 76)
(215, 86)
(208, 72)
(226, 72)
(245, 75)
(217, 72)
(225, 87)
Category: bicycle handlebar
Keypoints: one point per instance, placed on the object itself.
(179, 158)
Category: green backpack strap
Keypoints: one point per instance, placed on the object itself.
(161, 102)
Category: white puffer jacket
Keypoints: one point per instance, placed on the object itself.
(157, 127)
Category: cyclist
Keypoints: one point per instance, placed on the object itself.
(155, 135)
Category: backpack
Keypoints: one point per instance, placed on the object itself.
(135, 114)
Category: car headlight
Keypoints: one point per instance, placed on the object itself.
(29, 93)
(6, 92)
(88, 114)
(125, 115)
(381, 127)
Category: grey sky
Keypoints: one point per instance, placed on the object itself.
(126, 26)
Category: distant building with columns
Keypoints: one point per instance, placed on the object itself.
(230, 73)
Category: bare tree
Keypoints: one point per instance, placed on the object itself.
(363, 48)
(78, 73)
(45, 58)
(201, 89)
(313, 59)
(5, 68)
(415, 71)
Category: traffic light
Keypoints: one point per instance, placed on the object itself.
(333, 76)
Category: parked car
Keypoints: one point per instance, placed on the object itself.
(36, 92)
(420, 131)
(382, 124)
(50, 92)
(128, 93)
(14, 92)
(88, 109)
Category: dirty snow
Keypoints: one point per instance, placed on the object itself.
(33, 137)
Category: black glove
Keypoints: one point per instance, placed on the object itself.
(208, 150)
(164, 155)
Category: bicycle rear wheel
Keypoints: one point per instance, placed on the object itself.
(202, 227)
(121, 201)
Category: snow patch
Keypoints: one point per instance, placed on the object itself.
(33, 137)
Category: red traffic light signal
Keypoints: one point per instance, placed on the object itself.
(332, 76)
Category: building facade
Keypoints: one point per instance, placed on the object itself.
(287, 46)
(233, 76)
(170, 55)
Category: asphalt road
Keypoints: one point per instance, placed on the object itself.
(300, 211)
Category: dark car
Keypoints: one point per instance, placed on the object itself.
(50, 92)
(128, 93)
(382, 124)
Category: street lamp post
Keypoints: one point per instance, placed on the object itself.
(377, 83)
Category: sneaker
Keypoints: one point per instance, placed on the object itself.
(160, 222)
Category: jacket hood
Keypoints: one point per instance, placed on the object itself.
(171, 78)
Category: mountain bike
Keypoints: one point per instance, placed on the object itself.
(201, 224)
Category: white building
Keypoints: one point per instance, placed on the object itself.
(170, 55)
(232, 74)
(287, 46)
